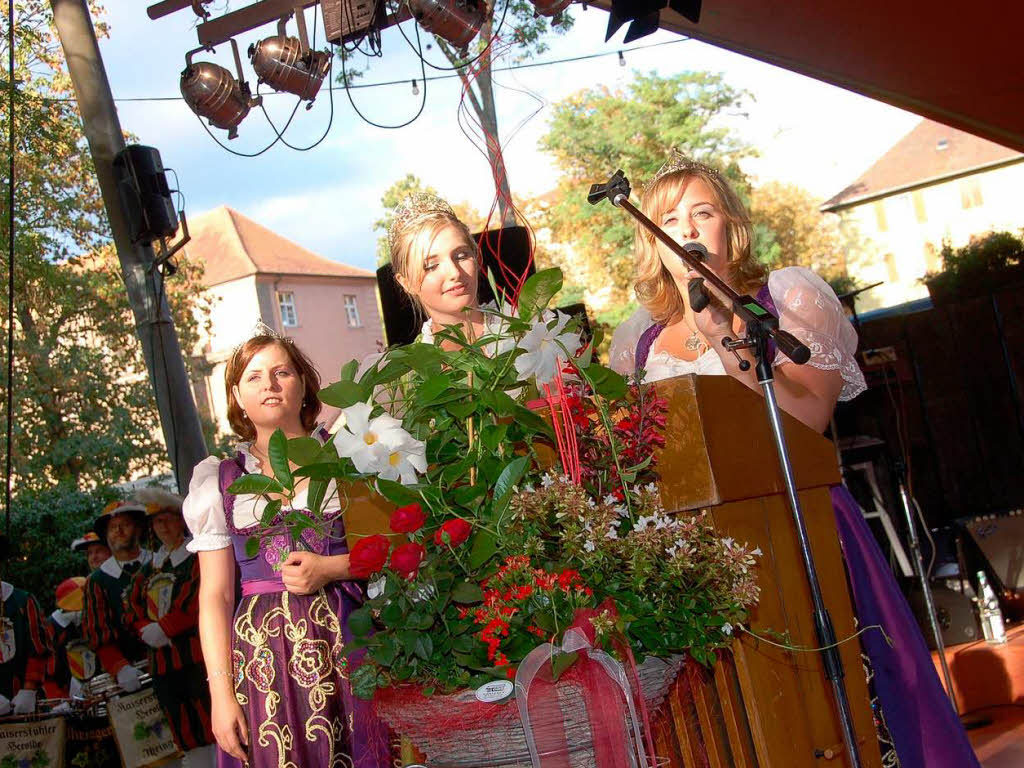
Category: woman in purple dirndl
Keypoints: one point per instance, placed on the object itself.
(665, 338)
(279, 683)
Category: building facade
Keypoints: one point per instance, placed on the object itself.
(936, 184)
(253, 274)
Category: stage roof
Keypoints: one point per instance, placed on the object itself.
(952, 62)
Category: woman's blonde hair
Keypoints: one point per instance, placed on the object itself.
(653, 284)
(411, 246)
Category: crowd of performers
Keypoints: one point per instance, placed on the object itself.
(275, 688)
(136, 605)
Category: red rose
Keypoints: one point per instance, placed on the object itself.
(458, 531)
(408, 519)
(368, 556)
(406, 559)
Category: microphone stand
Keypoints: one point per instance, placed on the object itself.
(761, 327)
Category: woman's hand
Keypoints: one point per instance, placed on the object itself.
(229, 727)
(305, 572)
(714, 322)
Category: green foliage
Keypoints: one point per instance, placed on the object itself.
(85, 412)
(596, 131)
(44, 523)
(982, 256)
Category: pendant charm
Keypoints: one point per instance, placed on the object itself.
(693, 343)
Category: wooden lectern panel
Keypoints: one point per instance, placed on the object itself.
(766, 706)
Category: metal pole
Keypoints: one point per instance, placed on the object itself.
(822, 621)
(926, 588)
(179, 419)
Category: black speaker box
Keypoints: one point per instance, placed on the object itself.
(145, 196)
(957, 620)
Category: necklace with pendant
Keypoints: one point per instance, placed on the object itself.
(693, 343)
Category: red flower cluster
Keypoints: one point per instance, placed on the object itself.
(368, 556)
(510, 592)
(406, 559)
(456, 531)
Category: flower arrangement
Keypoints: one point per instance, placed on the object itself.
(523, 477)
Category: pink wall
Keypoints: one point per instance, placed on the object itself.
(323, 331)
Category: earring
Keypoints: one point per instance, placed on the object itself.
(245, 415)
(303, 403)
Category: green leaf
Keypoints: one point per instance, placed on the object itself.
(304, 450)
(322, 471)
(433, 387)
(560, 662)
(342, 394)
(462, 410)
(270, 512)
(423, 647)
(360, 621)
(393, 614)
(492, 435)
(467, 593)
(277, 450)
(316, 494)
(364, 681)
(527, 419)
(349, 370)
(396, 492)
(538, 291)
(509, 477)
(252, 546)
(606, 382)
(484, 548)
(465, 495)
(256, 485)
(425, 359)
(385, 653)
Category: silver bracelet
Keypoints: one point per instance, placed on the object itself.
(218, 673)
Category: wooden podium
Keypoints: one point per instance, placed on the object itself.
(763, 706)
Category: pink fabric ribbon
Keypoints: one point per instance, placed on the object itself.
(262, 587)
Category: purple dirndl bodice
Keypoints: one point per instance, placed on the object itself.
(290, 673)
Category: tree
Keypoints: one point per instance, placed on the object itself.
(515, 27)
(85, 411)
(796, 232)
(597, 130)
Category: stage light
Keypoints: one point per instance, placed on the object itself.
(550, 7)
(211, 91)
(622, 59)
(287, 63)
(643, 16)
(457, 21)
(415, 89)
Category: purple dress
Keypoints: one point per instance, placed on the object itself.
(925, 729)
(289, 673)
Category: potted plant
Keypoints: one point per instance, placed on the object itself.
(986, 263)
(523, 477)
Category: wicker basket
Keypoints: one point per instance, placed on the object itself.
(502, 743)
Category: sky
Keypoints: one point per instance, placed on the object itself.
(326, 199)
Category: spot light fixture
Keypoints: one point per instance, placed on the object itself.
(457, 21)
(287, 63)
(211, 91)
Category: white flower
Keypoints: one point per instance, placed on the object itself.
(728, 541)
(727, 628)
(613, 533)
(423, 593)
(651, 488)
(609, 499)
(375, 589)
(399, 457)
(357, 438)
(547, 480)
(620, 510)
(546, 348)
(756, 552)
(589, 546)
(591, 503)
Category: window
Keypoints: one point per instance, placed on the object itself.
(919, 209)
(286, 302)
(880, 220)
(970, 193)
(352, 311)
(890, 265)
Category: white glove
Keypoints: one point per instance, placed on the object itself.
(76, 690)
(128, 678)
(5, 705)
(154, 636)
(24, 701)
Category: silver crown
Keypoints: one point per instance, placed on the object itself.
(676, 162)
(259, 329)
(413, 209)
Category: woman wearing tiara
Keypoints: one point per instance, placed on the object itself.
(665, 337)
(279, 684)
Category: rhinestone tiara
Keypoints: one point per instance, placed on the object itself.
(677, 161)
(411, 210)
(259, 329)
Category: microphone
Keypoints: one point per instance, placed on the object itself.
(699, 297)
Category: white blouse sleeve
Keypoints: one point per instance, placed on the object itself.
(203, 508)
(808, 309)
(622, 352)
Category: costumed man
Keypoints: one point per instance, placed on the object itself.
(103, 622)
(24, 651)
(72, 662)
(163, 609)
(95, 549)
